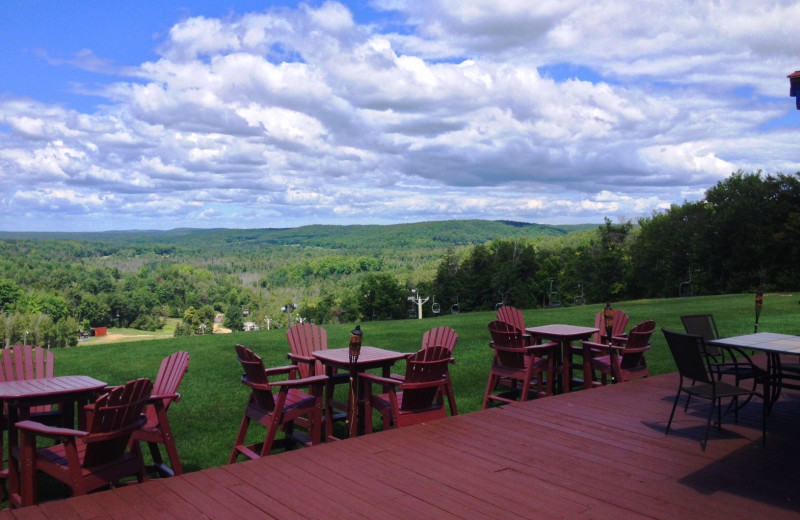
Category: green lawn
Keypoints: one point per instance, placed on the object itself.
(205, 421)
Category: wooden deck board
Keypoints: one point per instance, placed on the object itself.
(597, 453)
(56, 510)
(171, 505)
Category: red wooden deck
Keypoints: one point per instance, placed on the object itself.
(595, 454)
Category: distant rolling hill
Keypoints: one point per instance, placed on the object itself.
(433, 235)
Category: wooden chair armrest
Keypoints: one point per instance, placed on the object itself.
(422, 384)
(260, 386)
(602, 346)
(542, 346)
(44, 430)
(306, 381)
(300, 357)
(374, 378)
(160, 397)
(276, 371)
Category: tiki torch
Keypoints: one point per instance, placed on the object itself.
(759, 304)
(356, 336)
(608, 317)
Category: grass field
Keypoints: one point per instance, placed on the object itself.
(205, 421)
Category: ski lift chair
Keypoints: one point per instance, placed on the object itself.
(552, 297)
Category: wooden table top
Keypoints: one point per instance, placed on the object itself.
(30, 388)
(369, 355)
(562, 331)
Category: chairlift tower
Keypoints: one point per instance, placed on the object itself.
(288, 308)
(419, 300)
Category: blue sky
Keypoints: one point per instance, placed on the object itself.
(247, 114)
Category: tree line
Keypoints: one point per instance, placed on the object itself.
(742, 235)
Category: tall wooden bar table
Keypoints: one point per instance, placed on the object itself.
(565, 335)
(21, 396)
(339, 359)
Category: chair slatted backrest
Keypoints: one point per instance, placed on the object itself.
(116, 415)
(424, 374)
(440, 337)
(22, 362)
(618, 324)
(512, 316)
(687, 351)
(636, 345)
(639, 336)
(256, 378)
(509, 344)
(305, 338)
(170, 375)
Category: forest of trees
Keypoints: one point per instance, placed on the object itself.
(743, 234)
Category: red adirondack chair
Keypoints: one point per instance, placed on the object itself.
(157, 429)
(517, 367)
(446, 338)
(305, 338)
(623, 361)
(416, 398)
(19, 363)
(100, 458)
(514, 317)
(618, 325)
(274, 412)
